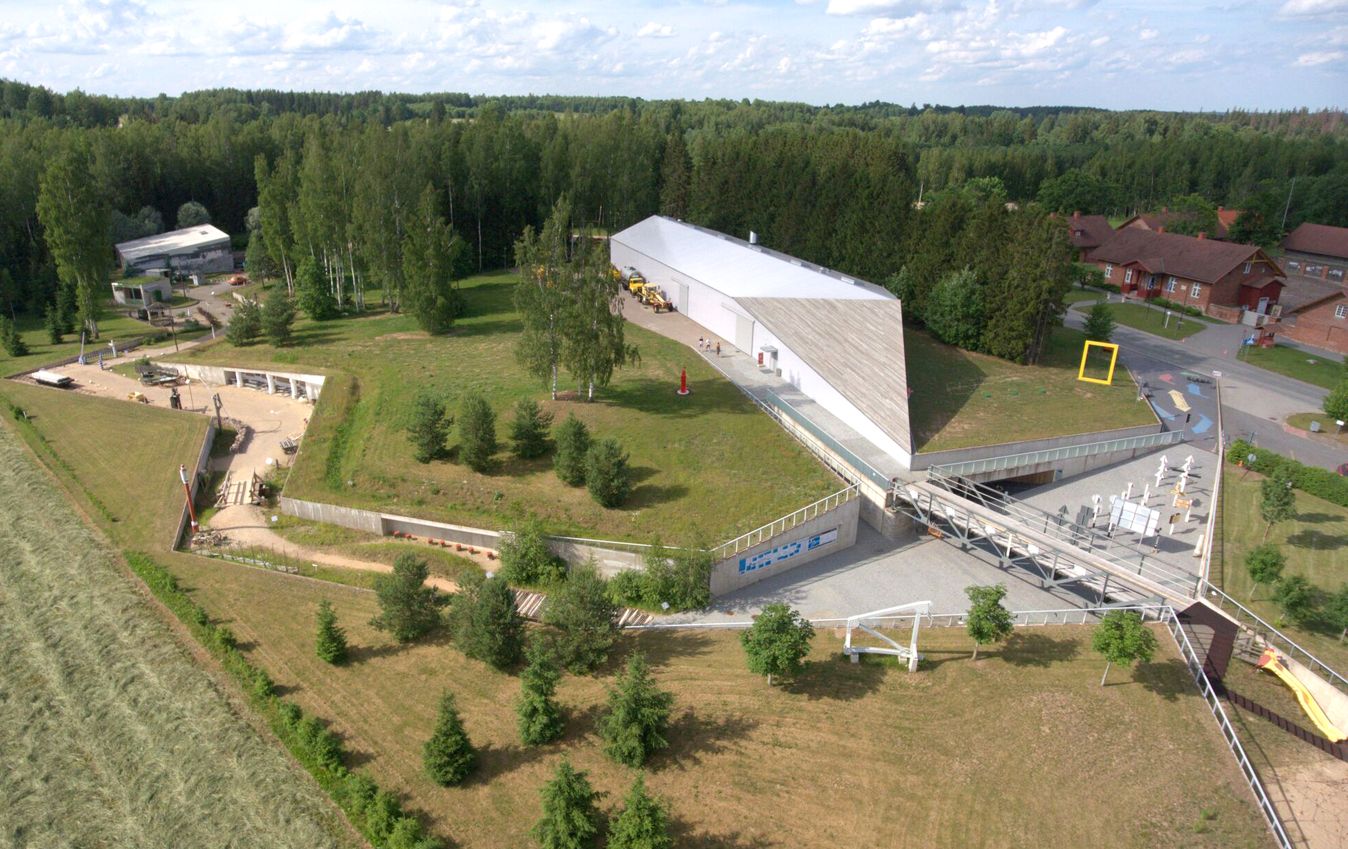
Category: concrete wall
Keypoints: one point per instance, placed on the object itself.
(312, 384)
(789, 550)
(609, 561)
(198, 472)
(347, 517)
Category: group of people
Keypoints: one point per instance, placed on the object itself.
(706, 346)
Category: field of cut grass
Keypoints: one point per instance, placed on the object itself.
(1152, 320)
(1320, 371)
(707, 466)
(110, 735)
(848, 755)
(961, 399)
(1315, 545)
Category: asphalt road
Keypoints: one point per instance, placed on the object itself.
(1254, 401)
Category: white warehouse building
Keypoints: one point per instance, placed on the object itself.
(836, 339)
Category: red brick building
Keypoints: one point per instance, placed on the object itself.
(1316, 313)
(1087, 233)
(1317, 250)
(1216, 277)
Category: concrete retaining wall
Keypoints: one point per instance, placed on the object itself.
(282, 382)
(608, 561)
(828, 532)
(1068, 466)
(347, 517)
(198, 474)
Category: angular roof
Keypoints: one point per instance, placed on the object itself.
(1205, 260)
(173, 242)
(828, 334)
(1088, 231)
(1167, 219)
(1302, 293)
(1318, 239)
(736, 268)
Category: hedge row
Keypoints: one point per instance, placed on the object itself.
(1321, 483)
(376, 813)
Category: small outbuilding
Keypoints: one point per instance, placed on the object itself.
(142, 291)
(204, 248)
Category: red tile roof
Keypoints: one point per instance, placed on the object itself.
(1088, 231)
(1204, 260)
(1318, 239)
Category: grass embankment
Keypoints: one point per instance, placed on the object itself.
(961, 399)
(1320, 371)
(1315, 544)
(708, 465)
(821, 755)
(109, 733)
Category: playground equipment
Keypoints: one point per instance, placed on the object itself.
(870, 623)
(1271, 661)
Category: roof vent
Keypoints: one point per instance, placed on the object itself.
(753, 237)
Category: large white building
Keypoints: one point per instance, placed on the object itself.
(835, 338)
(204, 248)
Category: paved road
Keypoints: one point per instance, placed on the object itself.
(1254, 401)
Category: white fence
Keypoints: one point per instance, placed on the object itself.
(1271, 635)
(744, 542)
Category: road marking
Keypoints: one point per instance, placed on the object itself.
(1180, 404)
(1195, 390)
(1166, 377)
(1204, 423)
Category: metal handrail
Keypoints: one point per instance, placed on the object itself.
(1269, 633)
(1205, 569)
(1209, 694)
(783, 524)
(1044, 455)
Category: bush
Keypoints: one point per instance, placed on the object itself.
(246, 325)
(680, 578)
(529, 430)
(573, 444)
(1336, 402)
(1099, 323)
(55, 327)
(1295, 597)
(10, 339)
(447, 755)
(638, 715)
(526, 559)
(607, 475)
(429, 427)
(484, 621)
(1321, 483)
(407, 607)
(477, 433)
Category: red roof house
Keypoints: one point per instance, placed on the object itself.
(1317, 250)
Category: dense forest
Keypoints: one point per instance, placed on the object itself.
(340, 178)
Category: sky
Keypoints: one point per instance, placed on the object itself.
(1197, 54)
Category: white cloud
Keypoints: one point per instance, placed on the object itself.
(889, 8)
(1147, 34)
(1310, 60)
(1296, 8)
(654, 30)
(1100, 41)
(880, 27)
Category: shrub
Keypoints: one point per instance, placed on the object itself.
(529, 429)
(607, 475)
(584, 615)
(573, 444)
(1321, 483)
(407, 607)
(447, 755)
(10, 339)
(1336, 402)
(55, 327)
(477, 432)
(539, 717)
(278, 315)
(1099, 323)
(526, 559)
(1295, 597)
(777, 642)
(570, 819)
(331, 642)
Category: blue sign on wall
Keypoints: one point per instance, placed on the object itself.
(773, 556)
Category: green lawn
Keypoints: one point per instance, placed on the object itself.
(1290, 362)
(1315, 545)
(962, 399)
(707, 467)
(864, 755)
(114, 326)
(1328, 429)
(1152, 320)
(1078, 296)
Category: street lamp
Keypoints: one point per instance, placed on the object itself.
(187, 490)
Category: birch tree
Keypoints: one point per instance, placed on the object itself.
(76, 221)
(541, 295)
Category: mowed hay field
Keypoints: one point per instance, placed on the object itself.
(706, 467)
(961, 398)
(1022, 748)
(110, 735)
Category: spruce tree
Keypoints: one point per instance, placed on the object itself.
(245, 325)
(447, 755)
(428, 427)
(1099, 323)
(331, 644)
(573, 445)
(540, 719)
(430, 252)
(55, 326)
(585, 617)
(529, 429)
(313, 293)
(570, 818)
(485, 623)
(607, 473)
(638, 715)
(407, 607)
(526, 558)
(643, 822)
(477, 433)
(10, 339)
(278, 315)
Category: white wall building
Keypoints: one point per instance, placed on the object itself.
(837, 339)
(202, 248)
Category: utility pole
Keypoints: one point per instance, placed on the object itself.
(1288, 205)
(187, 489)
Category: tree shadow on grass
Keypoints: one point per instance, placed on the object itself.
(661, 647)
(839, 679)
(685, 834)
(358, 654)
(1316, 540)
(583, 723)
(313, 335)
(692, 737)
(1024, 649)
(494, 762)
(660, 398)
(1316, 518)
(1168, 679)
(651, 495)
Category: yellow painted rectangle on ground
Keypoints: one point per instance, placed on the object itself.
(1178, 398)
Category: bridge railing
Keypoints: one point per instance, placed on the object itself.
(1064, 452)
(744, 542)
(1272, 636)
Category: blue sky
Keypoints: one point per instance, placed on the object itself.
(1128, 54)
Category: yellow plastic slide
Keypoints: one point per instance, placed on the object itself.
(1269, 660)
